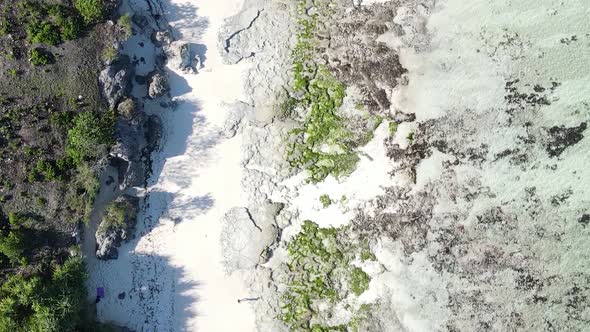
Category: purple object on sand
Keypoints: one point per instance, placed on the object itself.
(100, 292)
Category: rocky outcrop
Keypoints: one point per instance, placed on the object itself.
(136, 139)
(158, 84)
(115, 80)
(117, 226)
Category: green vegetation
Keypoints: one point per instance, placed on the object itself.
(320, 270)
(117, 215)
(4, 26)
(90, 136)
(410, 136)
(392, 128)
(322, 129)
(43, 302)
(40, 57)
(324, 144)
(126, 23)
(44, 32)
(91, 10)
(52, 143)
(69, 22)
(325, 200)
(82, 192)
(359, 281)
(109, 53)
(50, 23)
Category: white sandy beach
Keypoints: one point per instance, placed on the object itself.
(171, 273)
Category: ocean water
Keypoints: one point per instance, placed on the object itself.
(501, 93)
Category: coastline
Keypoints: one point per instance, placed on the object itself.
(432, 232)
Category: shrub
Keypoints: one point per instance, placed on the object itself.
(117, 214)
(51, 171)
(13, 245)
(61, 119)
(49, 301)
(44, 32)
(126, 23)
(91, 10)
(40, 57)
(69, 22)
(81, 193)
(70, 27)
(90, 137)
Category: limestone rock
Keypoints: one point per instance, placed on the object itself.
(126, 108)
(158, 84)
(183, 56)
(186, 57)
(117, 226)
(136, 138)
(163, 37)
(114, 80)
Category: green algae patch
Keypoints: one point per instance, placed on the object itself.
(323, 144)
(320, 273)
(359, 281)
(392, 128)
(325, 200)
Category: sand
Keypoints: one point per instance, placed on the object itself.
(170, 277)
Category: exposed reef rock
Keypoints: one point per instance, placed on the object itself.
(359, 57)
(238, 41)
(117, 226)
(485, 225)
(562, 137)
(247, 236)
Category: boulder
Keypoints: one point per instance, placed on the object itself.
(127, 151)
(115, 79)
(116, 226)
(158, 84)
(183, 56)
(126, 108)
